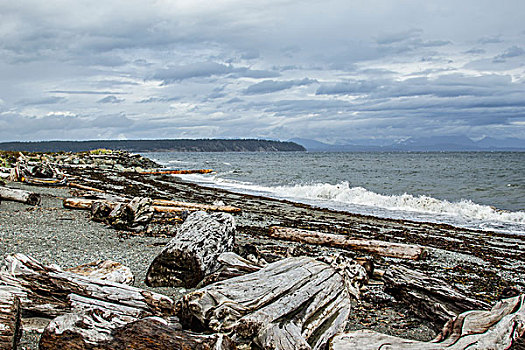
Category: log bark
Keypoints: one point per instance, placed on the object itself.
(105, 270)
(295, 303)
(10, 326)
(13, 194)
(196, 206)
(165, 172)
(192, 254)
(498, 328)
(383, 248)
(428, 297)
(48, 291)
(98, 331)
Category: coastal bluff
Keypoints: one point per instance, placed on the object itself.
(167, 145)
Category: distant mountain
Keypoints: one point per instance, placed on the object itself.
(178, 145)
(419, 144)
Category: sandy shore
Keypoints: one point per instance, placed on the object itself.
(480, 264)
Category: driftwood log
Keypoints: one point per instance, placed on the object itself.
(295, 303)
(96, 330)
(498, 328)
(232, 265)
(105, 270)
(383, 248)
(192, 254)
(428, 297)
(13, 194)
(10, 327)
(50, 292)
(196, 206)
(132, 216)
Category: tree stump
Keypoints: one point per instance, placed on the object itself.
(295, 303)
(10, 328)
(192, 254)
(428, 297)
(498, 328)
(95, 330)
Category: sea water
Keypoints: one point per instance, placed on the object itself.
(467, 189)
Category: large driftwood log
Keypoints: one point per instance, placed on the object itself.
(10, 328)
(48, 291)
(13, 194)
(95, 330)
(132, 216)
(429, 297)
(498, 328)
(105, 270)
(383, 248)
(295, 303)
(232, 265)
(192, 254)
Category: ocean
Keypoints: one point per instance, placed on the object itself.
(478, 190)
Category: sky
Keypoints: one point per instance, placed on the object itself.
(334, 71)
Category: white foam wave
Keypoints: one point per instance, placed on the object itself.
(343, 193)
(360, 200)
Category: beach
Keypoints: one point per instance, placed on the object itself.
(480, 264)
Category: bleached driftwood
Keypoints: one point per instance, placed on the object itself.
(48, 291)
(232, 265)
(10, 328)
(192, 254)
(429, 297)
(383, 248)
(105, 331)
(498, 328)
(196, 206)
(13, 194)
(85, 188)
(105, 270)
(132, 216)
(295, 303)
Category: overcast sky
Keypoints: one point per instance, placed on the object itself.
(334, 71)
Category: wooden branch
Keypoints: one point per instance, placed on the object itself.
(164, 172)
(46, 290)
(428, 297)
(498, 328)
(83, 187)
(197, 206)
(13, 194)
(10, 327)
(383, 248)
(105, 270)
(98, 331)
(192, 254)
(295, 303)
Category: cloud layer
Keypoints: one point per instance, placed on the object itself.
(334, 71)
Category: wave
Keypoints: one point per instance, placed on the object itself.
(342, 196)
(343, 193)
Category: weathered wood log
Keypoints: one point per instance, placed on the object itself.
(165, 172)
(83, 187)
(105, 270)
(232, 265)
(196, 206)
(10, 326)
(13, 194)
(295, 303)
(383, 248)
(193, 253)
(48, 291)
(498, 328)
(132, 216)
(81, 203)
(428, 297)
(98, 331)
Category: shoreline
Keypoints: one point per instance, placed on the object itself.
(478, 263)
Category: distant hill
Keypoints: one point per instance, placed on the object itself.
(421, 144)
(178, 145)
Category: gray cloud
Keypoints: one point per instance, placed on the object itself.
(110, 99)
(268, 86)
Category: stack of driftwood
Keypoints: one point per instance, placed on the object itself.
(236, 300)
